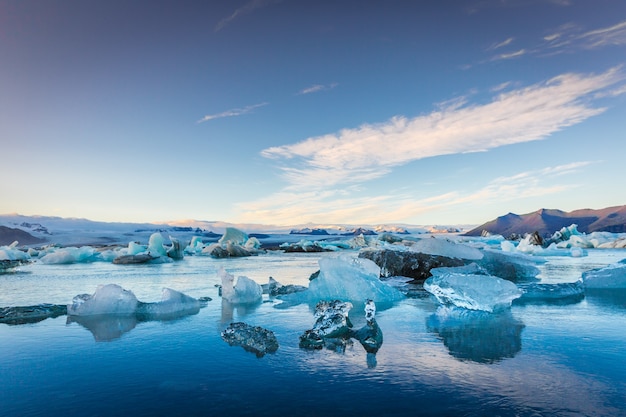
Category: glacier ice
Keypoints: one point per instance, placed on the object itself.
(71, 255)
(331, 321)
(234, 235)
(108, 299)
(348, 278)
(252, 338)
(245, 291)
(565, 292)
(444, 247)
(156, 245)
(173, 304)
(612, 276)
(10, 253)
(510, 265)
(473, 292)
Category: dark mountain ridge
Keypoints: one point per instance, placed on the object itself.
(548, 221)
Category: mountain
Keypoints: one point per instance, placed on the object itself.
(548, 221)
(9, 235)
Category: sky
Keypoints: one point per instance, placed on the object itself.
(311, 111)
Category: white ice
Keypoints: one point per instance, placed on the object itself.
(172, 303)
(9, 253)
(473, 292)
(348, 278)
(612, 276)
(443, 247)
(71, 255)
(245, 291)
(108, 299)
(234, 235)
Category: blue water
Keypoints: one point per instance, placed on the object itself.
(534, 360)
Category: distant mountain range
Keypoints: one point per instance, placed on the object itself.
(547, 221)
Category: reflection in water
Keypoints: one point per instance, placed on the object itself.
(229, 309)
(612, 298)
(107, 327)
(477, 336)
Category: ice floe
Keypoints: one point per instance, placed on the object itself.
(612, 276)
(244, 291)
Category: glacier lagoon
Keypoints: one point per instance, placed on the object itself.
(534, 359)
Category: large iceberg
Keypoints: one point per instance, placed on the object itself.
(473, 292)
(108, 299)
(512, 266)
(612, 276)
(348, 278)
(245, 291)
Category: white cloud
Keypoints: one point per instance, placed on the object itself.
(317, 88)
(511, 54)
(370, 151)
(232, 112)
(501, 44)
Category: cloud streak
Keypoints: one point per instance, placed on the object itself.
(317, 88)
(232, 112)
(358, 155)
(247, 8)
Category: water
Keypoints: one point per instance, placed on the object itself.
(535, 360)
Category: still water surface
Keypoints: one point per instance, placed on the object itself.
(534, 360)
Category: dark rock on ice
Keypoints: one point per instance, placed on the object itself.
(275, 288)
(252, 338)
(141, 258)
(31, 314)
(407, 263)
(359, 231)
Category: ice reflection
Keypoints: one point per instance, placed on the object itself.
(108, 327)
(612, 298)
(477, 336)
(229, 310)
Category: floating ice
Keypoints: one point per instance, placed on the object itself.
(473, 292)
(71, 255)
(252, 338)
(177, 251)
(565, 292)
(108, 299)
(470, 269)
(10, 253)
(234, 235)
(331, 321)
(444, 247)
(245, 291)
(173, 304)
(612, 276)
(354, 279)
(510, 265)
(155, 245)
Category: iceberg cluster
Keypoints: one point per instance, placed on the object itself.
(473, 292)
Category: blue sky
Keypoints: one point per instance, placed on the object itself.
(297, 111)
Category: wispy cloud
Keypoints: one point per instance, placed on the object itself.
(317, 88)
(500, 44)
(569, 38)
(243, 10)
(370, 151)
(349, 205)
(232, 112)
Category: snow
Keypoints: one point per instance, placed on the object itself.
(444, 247)
(612, 276)
(245, 291)
(354, 279)
(108, 299)
(473, 292)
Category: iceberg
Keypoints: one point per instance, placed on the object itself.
(11, 253)
(108, 299)
(566, 292)
(252, 338)
(331, 321)
(177, 251)
(156, 245)
(473, 292)
(245, 291)
(353, 279)
(612, 276)
(233, 235)
(173, 304)
(444, 247)
(510, 265)
(71, 255)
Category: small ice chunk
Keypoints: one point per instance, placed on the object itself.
(252, 338)
(473, 292)
(108, 299)
(245, 291)
(612, 276)
(173, 304)
(347, 278)
(444, 247)
(177, 251)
